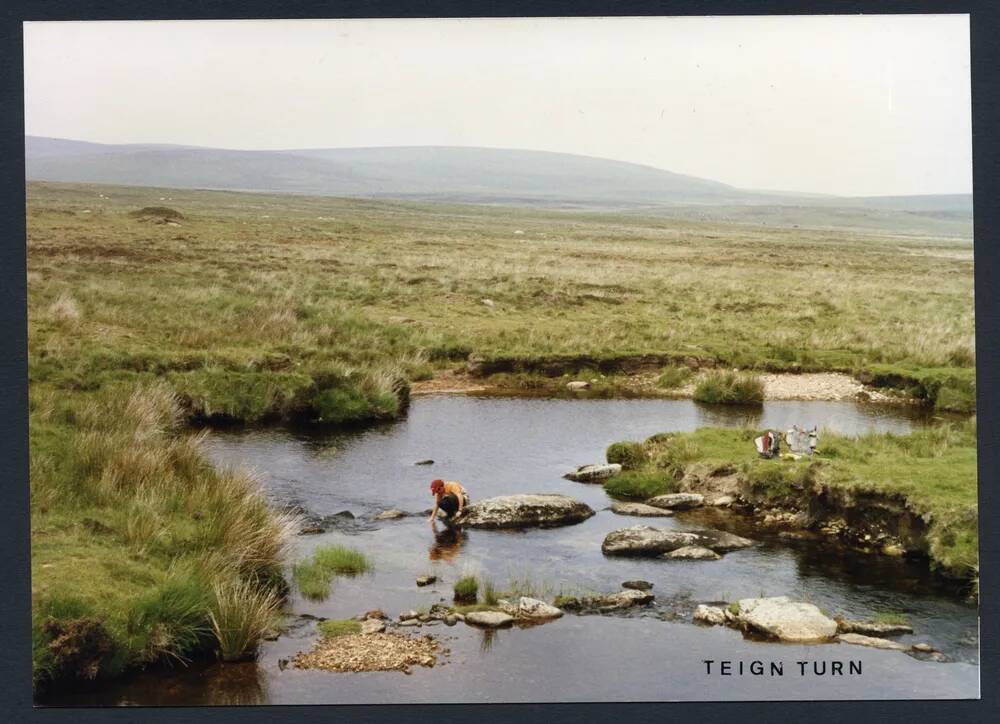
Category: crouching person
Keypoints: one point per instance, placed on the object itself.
(450, 498)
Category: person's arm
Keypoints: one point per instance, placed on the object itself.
(461, 503)
(435, 511)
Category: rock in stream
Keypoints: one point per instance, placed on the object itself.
(645, 540)
(524, 511)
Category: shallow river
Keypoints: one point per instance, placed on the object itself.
(498, 446)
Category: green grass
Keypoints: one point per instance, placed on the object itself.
(891, 618)
(119, 491)
(933, 469)
(729, 388)
(639, 485)
(673, 377)
(466, 589)
(313, 576)
(331, 628)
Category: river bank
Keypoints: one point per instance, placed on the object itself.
(899, 495)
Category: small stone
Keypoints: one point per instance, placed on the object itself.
(692, 553)
(450, 620)
(638, 585)
(924, 648)
(407, 615)
(894, 550)
(410, 622)
(376, 613)
(534, 609)
(282, 664)
(428, 461)
(372, 625)
(390, 515)
(488, 302)
(723, 501)
(577, 385)
(426, 580)
(711, 615)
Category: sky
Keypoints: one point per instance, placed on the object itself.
(852, 105)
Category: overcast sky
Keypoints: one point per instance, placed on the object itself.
(847, 105)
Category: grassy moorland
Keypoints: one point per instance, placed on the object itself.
(932, 470)
(223, 307)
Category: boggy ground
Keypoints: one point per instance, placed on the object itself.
(912, 494)
(248, 308)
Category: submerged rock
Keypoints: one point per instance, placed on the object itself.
(785, 620)
(623, 599)
(872, 628)
(710, 615)
(677, 501)
(693, 553)
(428, 461)
(426, 580)
(524, 511)
(593, 473)
(640, 509)
(872, 641)
(638, 585)
(532, 608)
(390, 515)
(644, 540)
(489, 619)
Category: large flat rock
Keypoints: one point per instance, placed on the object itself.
(524, 511)
(786, 620)
(645, 540)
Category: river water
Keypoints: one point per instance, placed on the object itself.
(499, 446)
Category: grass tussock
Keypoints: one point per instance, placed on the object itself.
(174, 549)
(241, 615)
(313, 576)
(466, 589)
(730, 388)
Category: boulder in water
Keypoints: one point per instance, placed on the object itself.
(677, 501)
(593, 473)
(390, 515)
(524, 511)
(489, 619)
(645, 540)
(785, 620)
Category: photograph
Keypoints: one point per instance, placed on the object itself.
(501, 360)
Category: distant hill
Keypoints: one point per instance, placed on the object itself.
(435, 173)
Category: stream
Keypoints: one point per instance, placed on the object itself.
(500, 446)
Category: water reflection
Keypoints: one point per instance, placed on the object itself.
(447, 544)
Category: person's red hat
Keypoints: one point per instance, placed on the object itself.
(436, 486)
